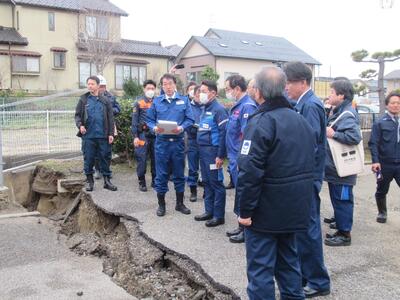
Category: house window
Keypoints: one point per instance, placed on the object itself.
(126, 72)
(59, 60)
(86, 69)
(193, 76)
(97, 27)
(52, 21)
(25, 64)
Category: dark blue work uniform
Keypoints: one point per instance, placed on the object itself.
(95, 113)
(384, 145)
(275, 187)
(146, 136)
(193, 155)
(170, 149)
(211, 141)
(347, 131)
(238, 117)
(309, 243)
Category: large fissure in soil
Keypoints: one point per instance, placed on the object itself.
(142, 266)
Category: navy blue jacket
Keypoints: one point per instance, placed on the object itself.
(114, 103)
(238, 117)
(276, 164)
(139, 116)
(104, 108)
(212, 127)
(347, 131)
(384, 143)
(179, 110)
(312, 109)
(197, 110)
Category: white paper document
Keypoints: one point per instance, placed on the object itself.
(168, 126)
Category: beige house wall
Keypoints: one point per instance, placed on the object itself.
(245, 67)
(6, 15)
(392, 85)
(195, 50)
(114, 25)
(4, 72)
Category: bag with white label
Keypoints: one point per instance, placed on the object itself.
(348, 159)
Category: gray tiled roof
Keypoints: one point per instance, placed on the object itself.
(253, 46)
(393, 75)
(144, 48)
(76, 5)
(174, 49)
(10, 35)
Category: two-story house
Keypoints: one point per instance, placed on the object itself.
(54, 45)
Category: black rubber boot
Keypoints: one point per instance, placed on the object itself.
(161, 205)
(142, 184)
(193, 194)
(108, 185)
(179, 204)
(90, 182)
(382, 211)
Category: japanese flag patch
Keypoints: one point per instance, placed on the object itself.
(245, 147)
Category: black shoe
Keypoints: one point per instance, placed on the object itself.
(203, 217)
(233, 232)
(215, 222)
(90, 183)
(193, 194)
(161, 205)
(338, 240)
(200, 183)
(332, 225)
(311, 293)
(331, 235)
(237, 239)
(108, 185)
(329, 220)
(382, 215)
(142, 184)
(179, 204)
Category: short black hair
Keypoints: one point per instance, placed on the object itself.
(149, 81)
(211, 85)
(237, 80)
(343, 87)
(392, 94)
(168, 76)
(297, 71)
(95, 78)
(191, 83)
(196, 88)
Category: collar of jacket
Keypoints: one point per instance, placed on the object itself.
(339, 109)
(273, 103)
(245, 98)
(210, 103)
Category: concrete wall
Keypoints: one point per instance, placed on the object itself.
(19, 183)
(6, 15)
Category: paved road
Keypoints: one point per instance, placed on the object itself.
(369, 269)
(35, 264)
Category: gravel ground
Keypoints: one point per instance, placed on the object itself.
(368, 269)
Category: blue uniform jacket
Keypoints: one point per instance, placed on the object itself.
(114, 103)
(239, 115)
(179, 110)
(275, 181)
(139, 116)
(212, 127)
(312, 109)
(197, 110)
(347, 131)
(384, 143)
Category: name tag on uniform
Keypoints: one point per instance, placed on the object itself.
(180, 102)
(209, 113)
(206, 126)
(245, 147)
(213, 167)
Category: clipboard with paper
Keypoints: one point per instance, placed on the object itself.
(168, 126)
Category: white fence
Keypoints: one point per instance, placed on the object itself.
(33, 135)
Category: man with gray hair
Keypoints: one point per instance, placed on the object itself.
(274, 189)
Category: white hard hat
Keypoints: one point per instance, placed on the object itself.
(103, 81)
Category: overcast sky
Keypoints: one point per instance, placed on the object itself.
(328, 30)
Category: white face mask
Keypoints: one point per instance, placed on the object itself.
(191, 93)
(230, 96)
(149, 94)
(203, 98)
